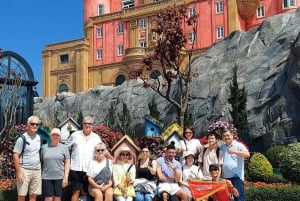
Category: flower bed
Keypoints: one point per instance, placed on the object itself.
(264, 184)
(6, 184)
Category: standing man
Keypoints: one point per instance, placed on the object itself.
(233, 162)
(169, 174)
(27, 162)
(82, 145)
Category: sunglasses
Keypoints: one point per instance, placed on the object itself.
(100, 150)
(214, 169)
(87, 123)
(34, 124)
(124, 154)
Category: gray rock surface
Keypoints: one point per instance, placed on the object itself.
(268, 66)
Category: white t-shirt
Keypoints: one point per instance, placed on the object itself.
(193, 172)
(210, 157)
(82, 149)
(95, 167)
(190, 145)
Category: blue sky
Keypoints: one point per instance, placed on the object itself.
(27, 26)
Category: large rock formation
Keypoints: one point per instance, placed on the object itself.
(267, 58)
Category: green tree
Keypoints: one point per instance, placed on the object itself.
(110, 118)
(124, 120)
(238, 101)
(152, 105)
(259, 168)
(169, 52)
(79, 118)
(289, 162)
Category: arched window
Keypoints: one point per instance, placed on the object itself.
(63, 88)
(155, 74)
(120, 79)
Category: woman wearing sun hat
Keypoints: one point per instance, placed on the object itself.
(189, 171)
(124, 173)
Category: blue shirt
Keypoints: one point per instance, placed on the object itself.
(233, 165)
(165, 169)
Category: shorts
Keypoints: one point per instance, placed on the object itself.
(52, 188)
(32, 183)
(78, 180)
(170, 188)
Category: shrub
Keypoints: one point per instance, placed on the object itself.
(273, 154)
(289, 162)
(276, 178)
(259, 168)
(290, 193)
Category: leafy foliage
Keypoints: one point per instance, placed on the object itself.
(124, 120)
(80, 118)
(259, 168)
(111, 116)
(273, 154)
(290, 193)
(7, 169)
(152, 105)
(108, 136)
(169, 52)
(238, 101)
(220, 125)
(154, 144)
(289, 162)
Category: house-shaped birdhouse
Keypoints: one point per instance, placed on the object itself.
(152, 126)
(174, 132)
(67, 127)
(126, 141)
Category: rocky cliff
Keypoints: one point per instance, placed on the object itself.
(267, 58)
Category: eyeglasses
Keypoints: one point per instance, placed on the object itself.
(145, 151)
(214, 169)
(87, 123)
(34, 124)
(124, 154)
(100, 150)
(188, 132)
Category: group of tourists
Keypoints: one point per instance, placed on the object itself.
(85, 164)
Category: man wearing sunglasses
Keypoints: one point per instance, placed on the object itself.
(26, 157)
(82, 145)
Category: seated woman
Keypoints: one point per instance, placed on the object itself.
(100, 175)
(145, 182)
(123, 176)
(225, 194)
(189, 171)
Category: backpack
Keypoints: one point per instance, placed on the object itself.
(217, 153)
(24, 145)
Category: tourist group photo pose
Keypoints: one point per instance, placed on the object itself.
(85, 164)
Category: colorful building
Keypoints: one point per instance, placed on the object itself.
(117, 36)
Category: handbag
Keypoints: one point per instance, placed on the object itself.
(104, 175)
